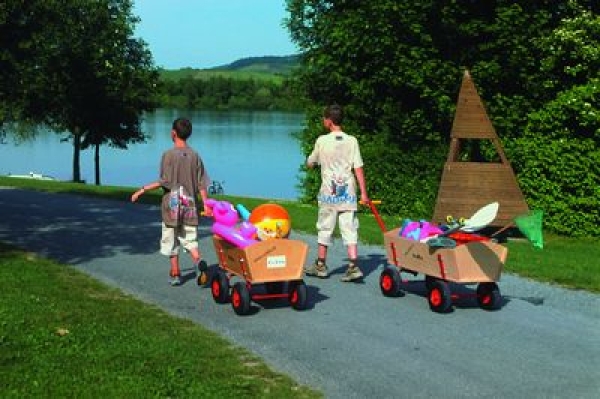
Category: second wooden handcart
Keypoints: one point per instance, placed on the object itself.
(474, 260)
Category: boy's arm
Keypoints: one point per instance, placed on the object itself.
(204, 196)
(313, 158)
(360, 177)
(146, 187)
(311, 161)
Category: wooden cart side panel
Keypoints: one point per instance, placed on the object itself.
(417, 257)
(277, 260)
(479, 262)
(232, 258)
(265, 261)
(467, 263)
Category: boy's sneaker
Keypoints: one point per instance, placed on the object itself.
(353, 273)
(319, 269)
(201, 267)
(175, 281)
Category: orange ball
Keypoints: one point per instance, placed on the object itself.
(271, 221)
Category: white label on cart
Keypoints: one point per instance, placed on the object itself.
(276, 262)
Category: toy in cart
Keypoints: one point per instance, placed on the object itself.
(446, 254)
(256, 253)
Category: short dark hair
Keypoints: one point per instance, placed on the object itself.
(183, 128)
(335, 113)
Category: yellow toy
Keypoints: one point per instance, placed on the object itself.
(271, 221)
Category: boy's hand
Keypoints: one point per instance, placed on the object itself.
(207, 211)
(136, 195)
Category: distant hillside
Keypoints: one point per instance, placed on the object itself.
(254, 83)
(273, 64)
(272, 68)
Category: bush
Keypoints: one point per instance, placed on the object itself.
(557, 161)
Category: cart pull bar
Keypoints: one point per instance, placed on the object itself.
(371, 205)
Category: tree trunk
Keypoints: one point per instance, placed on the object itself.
(97, 164)
(76, 155)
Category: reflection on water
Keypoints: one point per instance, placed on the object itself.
(252, 153)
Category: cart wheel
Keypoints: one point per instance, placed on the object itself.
(219, 286)
(240, 298)
(202, 277)
(298, 295)
(488, 296)
(439, 297)
(429, 281)
(389, 281)
(274, 287)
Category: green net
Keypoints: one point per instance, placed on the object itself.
(530, 224)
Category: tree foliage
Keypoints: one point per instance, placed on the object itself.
(558, 156)
(223, 93)
(76, 67)
(397, 66)
(558, 160)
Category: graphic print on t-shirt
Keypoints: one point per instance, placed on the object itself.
(338, 189)
(182, 206)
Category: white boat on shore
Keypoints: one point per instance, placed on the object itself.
(32, 175)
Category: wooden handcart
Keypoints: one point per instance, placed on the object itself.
(277, 265)
(477, 261)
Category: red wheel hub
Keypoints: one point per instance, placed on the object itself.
(435, 296)
(386, 282)
(235, 299)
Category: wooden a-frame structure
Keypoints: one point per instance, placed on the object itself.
(467, 186)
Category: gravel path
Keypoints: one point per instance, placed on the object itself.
(351, 342)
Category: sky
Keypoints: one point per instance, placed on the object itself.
(209, 33)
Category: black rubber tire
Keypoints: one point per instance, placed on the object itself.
(298, 295)
(389, 282)
(439, 297)
(488, 296)
(428, 281)
(219, 287)
(240, 298)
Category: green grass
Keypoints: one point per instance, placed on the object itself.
(570, 262)
(64, 334)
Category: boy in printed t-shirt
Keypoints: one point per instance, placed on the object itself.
(182, 177)
(339, 156)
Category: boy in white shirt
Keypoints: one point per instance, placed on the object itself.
(338, 155)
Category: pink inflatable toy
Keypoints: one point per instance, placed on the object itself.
(225, 225)
(418, 231)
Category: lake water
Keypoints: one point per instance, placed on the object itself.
(253, 153)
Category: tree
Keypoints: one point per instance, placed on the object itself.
(83, 72)
(558, 156)
(26, 38)
(396, 67)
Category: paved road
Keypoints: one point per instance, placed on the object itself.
(352, 342)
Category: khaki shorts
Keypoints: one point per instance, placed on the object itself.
(348, 225)
(174, 237)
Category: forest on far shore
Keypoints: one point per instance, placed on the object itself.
(254, 83)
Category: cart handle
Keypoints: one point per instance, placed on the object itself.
(371, 205)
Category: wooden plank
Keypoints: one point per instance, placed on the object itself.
(471, 120)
